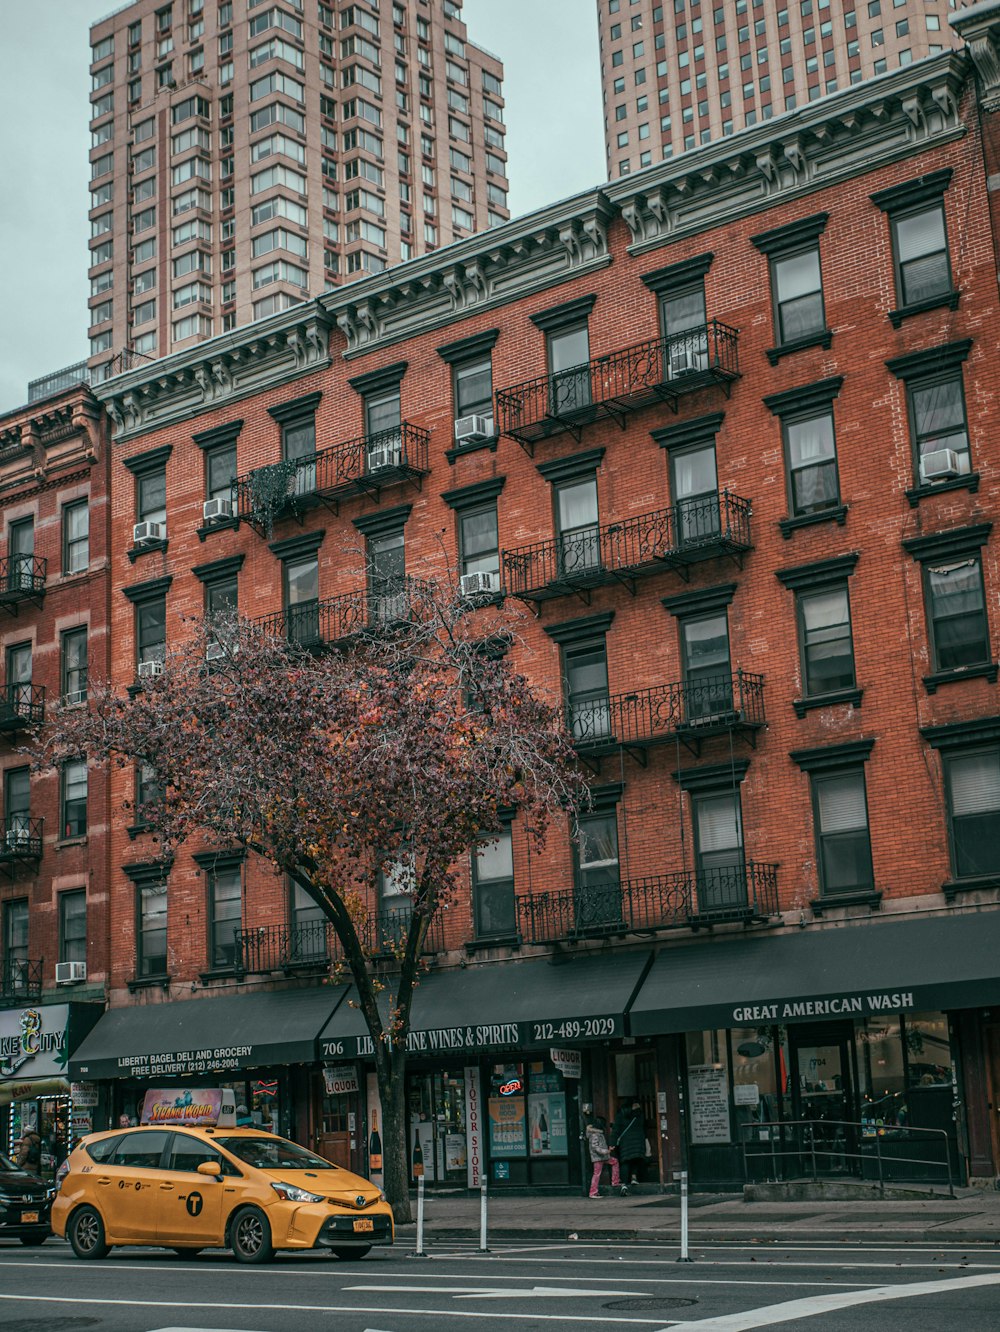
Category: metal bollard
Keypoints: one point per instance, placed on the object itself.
(419, 1251)
(684, 1258)
(482, 1217)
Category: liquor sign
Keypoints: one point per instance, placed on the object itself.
(568, 1062)
(473, 1127)
(340, 1079)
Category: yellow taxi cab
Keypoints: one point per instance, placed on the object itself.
(193, 1188)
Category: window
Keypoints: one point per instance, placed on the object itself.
(585, 677)
(493, 887)
(220, 471)
(796, 283)
(386, 559)
(76, 537)
(970, 760)
(596, 878)
(705, 664)
(17, 804)
(225, 894)
(826, 647)
(151, 930)
(936, 404)
(73, 926)
(15, 942)
(151, 497)
(840, 817)
(151, 628)
(301, 579)
(395, 886)
(309, 927)
(955, 602)
(73, 665)
(73, 799)
(695, 489)
(919, 242)
(720, 869)
(810, 452)
(18, 693)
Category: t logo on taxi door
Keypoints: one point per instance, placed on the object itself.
(194, 1203)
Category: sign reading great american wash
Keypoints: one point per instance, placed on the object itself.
(33, 1042)
(840, 1005)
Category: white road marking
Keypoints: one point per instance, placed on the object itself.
(256, 1307)
(820, 1304)
(492, 1293)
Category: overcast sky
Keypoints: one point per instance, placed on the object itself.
(554, 138)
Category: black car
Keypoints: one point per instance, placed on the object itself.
(25, 1200)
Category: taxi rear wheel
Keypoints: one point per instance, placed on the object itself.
(86, 1234)
(345, 1252)
(250, 1237)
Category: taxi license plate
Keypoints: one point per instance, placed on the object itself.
(364, 1223)
(29, 1216)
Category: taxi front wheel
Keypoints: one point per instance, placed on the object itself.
(85, 1233)
(250, 1237)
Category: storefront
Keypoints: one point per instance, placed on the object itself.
(35, 1045)
(499, 1064)
(260, 1046)
(844, 1045)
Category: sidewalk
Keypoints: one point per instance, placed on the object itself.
(972, 1217)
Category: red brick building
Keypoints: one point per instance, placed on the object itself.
(54, 847)
(726, 428)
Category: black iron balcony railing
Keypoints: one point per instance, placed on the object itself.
(316, 947)
(21, 839)
(321, 623)
(658, 370)
(674, 538)
(738, 892)
(20, 978)
(22, 578)
(365, 465)
(709, 704)
(21, 706)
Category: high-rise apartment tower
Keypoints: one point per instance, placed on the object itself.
(677, 73)
(250, 152)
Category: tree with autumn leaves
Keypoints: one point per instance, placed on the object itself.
(396, 753)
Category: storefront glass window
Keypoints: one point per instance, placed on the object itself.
(928, 1051)
(436, 1103)
(880, 1069)
(755, 1076)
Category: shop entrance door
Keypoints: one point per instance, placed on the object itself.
(333, 1135)
(823, 1097)
(993, 1067)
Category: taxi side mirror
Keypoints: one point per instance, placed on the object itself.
(210, 1168)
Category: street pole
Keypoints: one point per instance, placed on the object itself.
(482, 1217)
(419, 1251)
(684, 1258)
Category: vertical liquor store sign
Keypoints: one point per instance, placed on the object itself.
(473, 1127)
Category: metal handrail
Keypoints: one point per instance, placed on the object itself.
(265, 948)
(713, 702)
(777, 1130)
(691, 529)
(21, 978)
(646, 371)
(21, 704)
(657, 901)
(315, 623)
(24, 574)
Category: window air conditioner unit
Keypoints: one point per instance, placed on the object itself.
(74, 697)
(149, 668)
(480, 584)
(68, 972)
(145, 534)
(213, 651)
(17, 837)
(472, 429)
(217, 510)
(380, 459)
(940, 465)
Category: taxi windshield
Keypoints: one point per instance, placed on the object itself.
(273, 1154)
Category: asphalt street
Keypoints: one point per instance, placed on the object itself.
(530, 1286)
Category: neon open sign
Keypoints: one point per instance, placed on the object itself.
(511, 1088)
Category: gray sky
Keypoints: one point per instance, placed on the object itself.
(552, 81)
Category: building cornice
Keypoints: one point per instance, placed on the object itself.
(219, 372)
(846, 134)
(979, 28)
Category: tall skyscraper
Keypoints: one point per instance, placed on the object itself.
(677, 73)
(248, 153)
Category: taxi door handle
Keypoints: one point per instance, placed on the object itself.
(104, 1180)
(167, 1188)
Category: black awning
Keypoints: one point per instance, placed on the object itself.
(207, 1035)
(504, 1006)
(880, 967)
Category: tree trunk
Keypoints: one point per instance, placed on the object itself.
(391, 1072)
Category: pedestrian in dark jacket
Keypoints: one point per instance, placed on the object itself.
(29, 1154)
(628, 1138)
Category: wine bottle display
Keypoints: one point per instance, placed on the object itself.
(375, 1145)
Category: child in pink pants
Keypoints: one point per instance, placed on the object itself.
(600, 1155)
